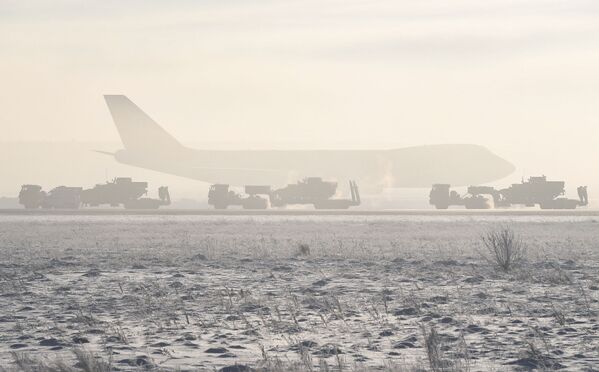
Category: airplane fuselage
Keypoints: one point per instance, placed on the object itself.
(419, 166)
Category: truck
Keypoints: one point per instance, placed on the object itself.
(120, 191)
(534, 191)
(311, 190)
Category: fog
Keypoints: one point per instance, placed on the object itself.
(387, 223)
(518, 77)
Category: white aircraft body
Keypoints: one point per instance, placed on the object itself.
(148, 145)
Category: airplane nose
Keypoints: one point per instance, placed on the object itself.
(505, 167)
(491, 167)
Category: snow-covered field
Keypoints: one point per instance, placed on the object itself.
(351, 293)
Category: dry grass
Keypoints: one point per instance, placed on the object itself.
(303, 249)
(370, 295)
(83, 361)
(504, 248)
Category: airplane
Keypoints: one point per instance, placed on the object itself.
(148, 145)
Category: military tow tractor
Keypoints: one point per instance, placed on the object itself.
(221, 197)
(535, 191)
(311, 190)
(31, 196)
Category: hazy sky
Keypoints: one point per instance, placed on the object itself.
(521, 77)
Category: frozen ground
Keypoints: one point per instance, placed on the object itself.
(205, 292)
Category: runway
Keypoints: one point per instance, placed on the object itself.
(298, 212)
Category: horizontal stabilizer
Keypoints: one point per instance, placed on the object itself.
(104, 152)
(240, 169)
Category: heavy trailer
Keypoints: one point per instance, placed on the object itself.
(534, 191)
(315, 191)
(114, 193)
(307, 191)
(537, 190)
(341, 203)
(312, 190)
(164, 198)
(126, 192)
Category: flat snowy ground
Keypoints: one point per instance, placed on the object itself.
(205, 292)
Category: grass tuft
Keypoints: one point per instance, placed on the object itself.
(504, 248)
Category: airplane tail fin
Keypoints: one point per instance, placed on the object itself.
(137, 130)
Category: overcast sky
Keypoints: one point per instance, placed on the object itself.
(520, 77)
